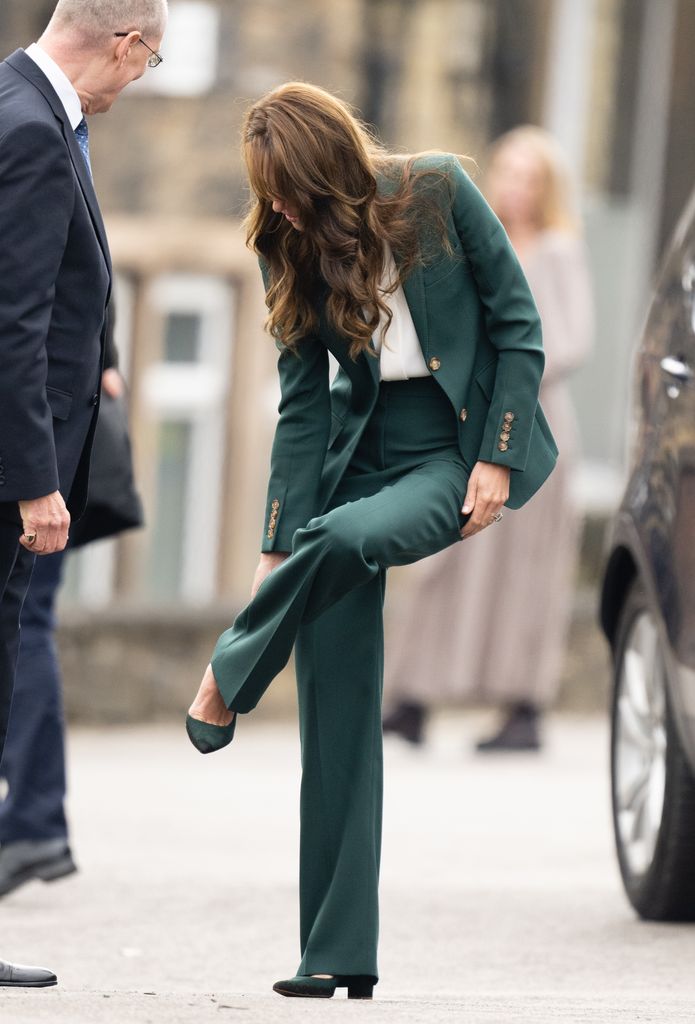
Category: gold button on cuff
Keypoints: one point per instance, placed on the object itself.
(269, 534)
(509, 416)
(434, 363)
(502, 446)
(275, 504)
(463, 415)
(505, 435)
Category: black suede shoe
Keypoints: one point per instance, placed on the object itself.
(407, 720)
(26, 859)
(520, 731)
(208, 738)
(17, 976)
(305, 985)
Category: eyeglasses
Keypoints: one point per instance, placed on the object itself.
(155, 60)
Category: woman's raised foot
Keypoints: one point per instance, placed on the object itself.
(209, 723)
(209, 706)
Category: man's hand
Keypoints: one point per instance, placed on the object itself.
(488, 489)
(47, 521)
(112, 383)
(269, 561)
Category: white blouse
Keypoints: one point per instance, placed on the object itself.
(400, 355)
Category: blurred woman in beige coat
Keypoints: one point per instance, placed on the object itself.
(487, 623)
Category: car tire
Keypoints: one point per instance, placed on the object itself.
(656, 852)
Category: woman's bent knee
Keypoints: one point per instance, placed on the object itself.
(332, 534)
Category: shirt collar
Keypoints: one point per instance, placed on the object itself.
(60, 82)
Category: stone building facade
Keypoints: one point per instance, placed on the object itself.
(447, 74)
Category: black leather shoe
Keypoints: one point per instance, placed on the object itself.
(17, 976)
(359, 986)
(520, 731)
(26, 859)
(407, 720)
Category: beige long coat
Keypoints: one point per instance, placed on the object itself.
(486, 620)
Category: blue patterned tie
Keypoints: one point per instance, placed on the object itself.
(82, 136)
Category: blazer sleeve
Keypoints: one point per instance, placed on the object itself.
(512, 323)
(300, 442)
(36, 205)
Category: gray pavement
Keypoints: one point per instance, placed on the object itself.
(500, 896)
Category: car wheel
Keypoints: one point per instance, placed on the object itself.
(653, 787)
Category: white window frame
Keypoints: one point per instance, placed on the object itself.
(196, 393)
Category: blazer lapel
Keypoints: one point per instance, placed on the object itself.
(414, 284)
(363, 371)
(87, 186)
(26, 67)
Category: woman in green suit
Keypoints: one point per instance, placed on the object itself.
(398, 267)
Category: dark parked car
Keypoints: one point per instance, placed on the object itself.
(648, 608)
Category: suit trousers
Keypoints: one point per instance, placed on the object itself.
(34, 760)
(16, 564)
(398, 501)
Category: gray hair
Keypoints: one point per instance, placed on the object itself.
(95, 21)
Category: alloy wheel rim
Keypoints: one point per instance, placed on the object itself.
(640, 745)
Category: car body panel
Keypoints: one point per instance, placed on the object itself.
(654, 530)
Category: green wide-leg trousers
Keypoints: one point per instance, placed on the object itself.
(399, 501)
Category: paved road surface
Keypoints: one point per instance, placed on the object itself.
(500, 897)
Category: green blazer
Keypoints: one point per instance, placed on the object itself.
(480, 334)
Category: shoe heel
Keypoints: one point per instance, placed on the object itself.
(360, 988)
(57, 869)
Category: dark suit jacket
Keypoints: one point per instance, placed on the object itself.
(55, 280)
(480, 335)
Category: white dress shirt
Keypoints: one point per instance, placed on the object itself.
(60, 82)
(400, 355)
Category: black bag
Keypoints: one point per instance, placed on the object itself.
(113, 503)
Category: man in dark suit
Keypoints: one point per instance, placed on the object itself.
(55, 283)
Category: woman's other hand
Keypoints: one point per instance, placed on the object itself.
(488, 490)
(269, 561)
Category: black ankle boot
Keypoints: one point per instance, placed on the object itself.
(407, 720)
(520, 731)
(358, 986)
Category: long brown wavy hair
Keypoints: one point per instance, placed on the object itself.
(306, 147)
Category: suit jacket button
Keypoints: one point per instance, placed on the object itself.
(434, 363)
(95, 399)
(270, 534)
(463, 415)
(505, 435)
(502, 446)
(509, 416)
(275, 504)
